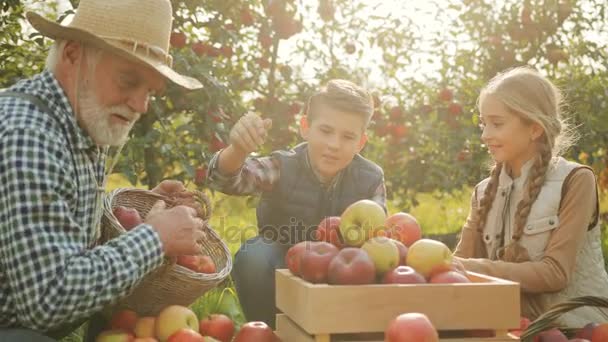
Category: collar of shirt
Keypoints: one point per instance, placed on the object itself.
(46, 87)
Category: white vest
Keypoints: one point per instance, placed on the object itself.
(589, 278)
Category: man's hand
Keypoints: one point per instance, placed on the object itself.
(178, 228)
(249, 133)
(169, 187)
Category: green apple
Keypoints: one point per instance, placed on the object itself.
(383, 252)
(361, 221)
(427, 256)
(173, 318)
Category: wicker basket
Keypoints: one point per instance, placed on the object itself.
(544, 321)
(170, 283)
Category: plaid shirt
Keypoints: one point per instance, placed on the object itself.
(51, 274)
(260, 174)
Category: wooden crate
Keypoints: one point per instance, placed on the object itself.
(316, 312)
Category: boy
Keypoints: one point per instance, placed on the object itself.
(299, 188)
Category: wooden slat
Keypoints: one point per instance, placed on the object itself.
(486, 304)
(289, 331)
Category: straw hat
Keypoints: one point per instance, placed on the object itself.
(138, 30)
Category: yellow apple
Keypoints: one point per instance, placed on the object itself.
(144, 327)
(173, 318)
(114, 336)
(383, 252)
(361, 221)
(425, 255)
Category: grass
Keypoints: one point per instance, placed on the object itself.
(234, 219)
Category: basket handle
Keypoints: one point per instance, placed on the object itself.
(544, 320)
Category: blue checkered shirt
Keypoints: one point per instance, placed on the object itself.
(52, 272)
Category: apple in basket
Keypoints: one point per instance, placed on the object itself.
(218, 326)
(256, 332)
(127, 217)
(411, 327)
(197, 263)
(173, 318)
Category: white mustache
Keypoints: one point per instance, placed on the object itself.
(123, 111)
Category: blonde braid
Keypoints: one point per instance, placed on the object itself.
(488, 197)
(533, 186)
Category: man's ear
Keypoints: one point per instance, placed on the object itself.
(304, 127)
(362, 141)
(71, 53)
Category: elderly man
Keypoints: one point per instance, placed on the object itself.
(56, 128)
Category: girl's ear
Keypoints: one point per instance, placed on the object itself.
(304, 127)
(537, 131)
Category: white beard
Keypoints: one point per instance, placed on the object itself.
(95, 118)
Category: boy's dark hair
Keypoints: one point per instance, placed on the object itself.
(344, 96)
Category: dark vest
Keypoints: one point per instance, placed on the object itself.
(298, 201)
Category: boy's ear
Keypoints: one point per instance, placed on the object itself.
(304, 127)
(362, 141)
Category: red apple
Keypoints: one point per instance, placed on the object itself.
(255, 331)
(124, 320)
(178, 40)
(600, 333)
(200, 175)
(449, 277)
(293, 255)
(524, 323)
(329, 230)
(411, 327)
(265, 39)
(247, 17)
(402, 251)
(403, 227)
(197, 263)
(127, 217)
(586, 332)
(403, 275)
(399, 130)
(186, 335)
(552, 335)
(199, 48)
(446, 95)
(314, 262)
(218, 326)
(352, 266)
(455, 109)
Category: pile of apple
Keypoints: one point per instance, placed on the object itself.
(178, 323)
(129, 218)
(363, 246)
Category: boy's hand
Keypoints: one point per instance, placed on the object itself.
(249, 133)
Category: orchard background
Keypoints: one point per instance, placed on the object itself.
(424, 61)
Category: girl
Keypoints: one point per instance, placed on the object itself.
(535, 219)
